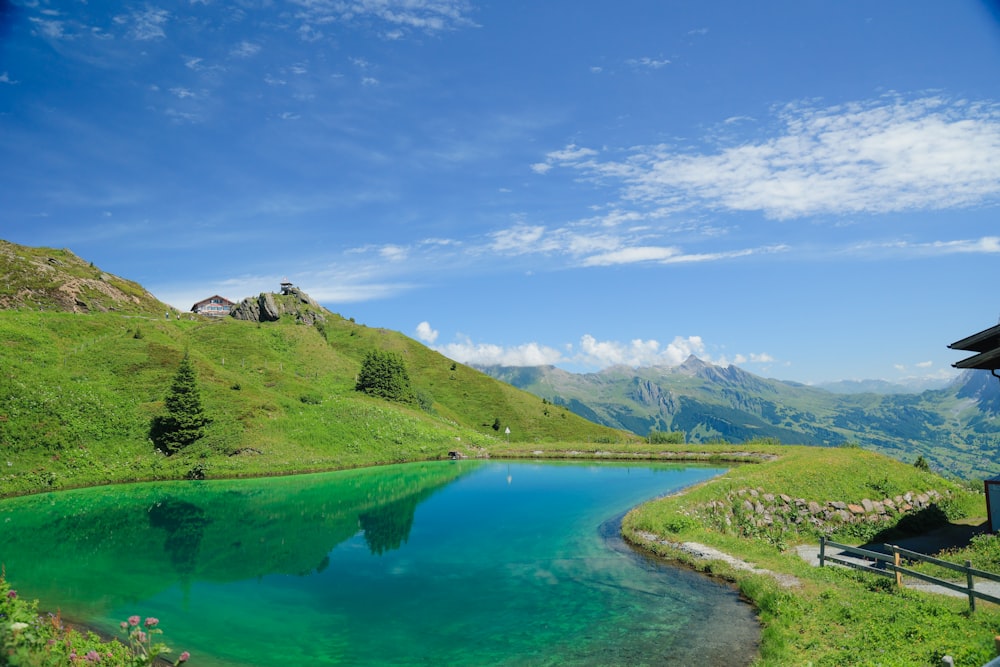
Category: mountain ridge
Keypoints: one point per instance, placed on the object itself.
(955, 428)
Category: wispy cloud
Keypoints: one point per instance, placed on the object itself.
(245, 49)
(648, 63)
(50, 28)
(145, 24)
(884, 156)
(984, 245)
(398, 16)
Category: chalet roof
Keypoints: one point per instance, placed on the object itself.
(221, 299)
(986, 343)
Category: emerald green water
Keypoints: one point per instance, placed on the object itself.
(444, 563)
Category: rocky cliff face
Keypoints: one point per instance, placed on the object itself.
(50, 279)
(270, 307)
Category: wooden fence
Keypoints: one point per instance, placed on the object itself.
(891, 564)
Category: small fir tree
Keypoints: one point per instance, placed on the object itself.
(185, 420)
(383, 374)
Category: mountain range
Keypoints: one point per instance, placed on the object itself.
(955, 428)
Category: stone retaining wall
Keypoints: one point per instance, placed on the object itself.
(753, 508)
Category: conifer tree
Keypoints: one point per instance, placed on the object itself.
(185, 420)
(383, 374)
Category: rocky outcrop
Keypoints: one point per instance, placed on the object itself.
(271, 307)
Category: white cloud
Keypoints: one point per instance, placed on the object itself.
(591, 353)
(426, 333)
(393, 253)
(397, 16)
(638, 352)
(881, 156)
(5, 78)
(984, 245)
(651, 63)
(485, 354)
(631, 256)
(146, 24)
(50, 29)
(245, 49)
(518, 240)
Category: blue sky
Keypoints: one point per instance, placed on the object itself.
(806, 189)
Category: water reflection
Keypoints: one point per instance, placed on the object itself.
(220, 531)
(457, 563)
(388, 526)
(184, 524)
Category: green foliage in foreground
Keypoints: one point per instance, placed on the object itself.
(78, 393)
(829, 616)
(28, 639)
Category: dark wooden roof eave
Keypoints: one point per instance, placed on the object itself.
(984, 341)
(988, 361)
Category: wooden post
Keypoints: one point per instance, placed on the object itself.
(996, 644)
(972, 585)
(897, 561)
(822, 549)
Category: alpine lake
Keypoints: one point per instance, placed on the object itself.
(463, 562)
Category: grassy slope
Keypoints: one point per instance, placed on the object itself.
(53, 279)
(835, 616)
(77, 393)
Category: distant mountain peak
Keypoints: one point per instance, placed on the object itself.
(693, 366)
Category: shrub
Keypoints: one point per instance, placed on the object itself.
(311, 399)
(656, 437)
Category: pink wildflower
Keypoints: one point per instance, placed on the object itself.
(12, 594)
(140, 636)
(93, 656)
(152, 622)
(133, 621)
(184, 657)
(124, 624)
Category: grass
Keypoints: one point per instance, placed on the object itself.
(833, 616)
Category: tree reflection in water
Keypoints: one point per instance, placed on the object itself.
(185, 524)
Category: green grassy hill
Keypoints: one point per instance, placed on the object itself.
(79, 387)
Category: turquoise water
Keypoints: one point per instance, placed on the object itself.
(444, 563)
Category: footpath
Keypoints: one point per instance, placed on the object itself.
(948, 537)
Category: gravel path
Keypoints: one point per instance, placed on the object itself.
(703, 552)
(810, 553)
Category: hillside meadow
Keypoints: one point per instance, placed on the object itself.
(78, 393)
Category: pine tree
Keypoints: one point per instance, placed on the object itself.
(185, 420)
(383, 374)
